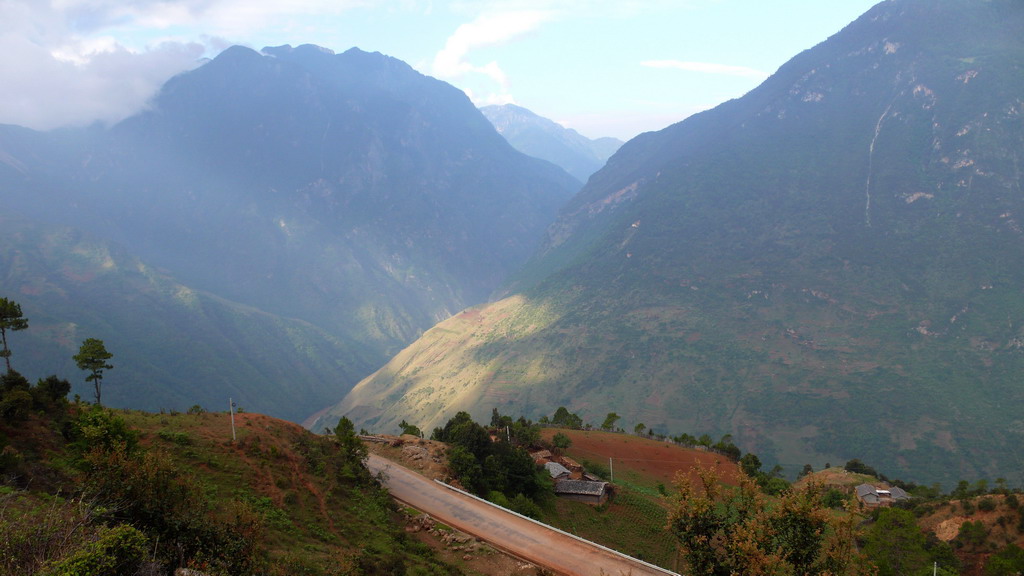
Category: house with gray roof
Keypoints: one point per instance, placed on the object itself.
(874, 496)
(557, 471)
(583, 491)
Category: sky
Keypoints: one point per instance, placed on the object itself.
(602, 67)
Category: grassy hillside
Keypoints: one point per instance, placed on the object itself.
(644, 471)
(277, 500)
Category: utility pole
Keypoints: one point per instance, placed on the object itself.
(611, 471)
(231, 409)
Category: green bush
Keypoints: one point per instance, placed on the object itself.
(118, 550)
(972, 533)
(523, 505)
(561, 441)
(498, 498)
(16, 405)
(1007, 562)
(834, 498)
(99, 428)
(968, 507)
(168, 504)
(179, 438)
(51, 391)
(1012, 502)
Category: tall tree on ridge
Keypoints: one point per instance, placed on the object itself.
(10, 319)
(93, 356)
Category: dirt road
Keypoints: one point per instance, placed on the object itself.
(518, 536)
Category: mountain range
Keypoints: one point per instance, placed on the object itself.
(830, 267)
(543, 138)
(339, 204)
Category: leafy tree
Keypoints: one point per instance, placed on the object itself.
(51, 390)
(499, 421)
(567, 419)
(1011, 501)
(725, 530)
(524, 432)
(11, 319)
(834, 498)
(639, 429)
(92, 357)
(685, 439)
(561, 441)
(461, 430)
(1006, 562)
(895, 544)
(807, 470)
(16, 405)
(483, 466)
(411, 429)
(751, 465)
(961, 491)
(352, 448)
(11, 381)
(522, 475)
(972, 534)
(942, 554)
(857, 467)
(466, 468)
(727, 447)
(609, 421)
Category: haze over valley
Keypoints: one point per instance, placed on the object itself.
(826, 265)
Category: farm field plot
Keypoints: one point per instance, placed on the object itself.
(642, 462)
(634, 521)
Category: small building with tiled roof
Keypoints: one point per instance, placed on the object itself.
(557, 471)
(571, 464)
(541, 456)
(583, 491)
(873, 496)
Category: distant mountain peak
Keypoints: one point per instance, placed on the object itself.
(286, 49)
(236, 53)
(344, 190)
(543, 138)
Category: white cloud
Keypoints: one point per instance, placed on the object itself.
(107, 86)
(217, 16)
(573, 8)
(74, 62)
(453, 61)
(706, 67)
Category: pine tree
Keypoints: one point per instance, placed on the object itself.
(10, 319)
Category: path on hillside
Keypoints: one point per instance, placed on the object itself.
(520, 537)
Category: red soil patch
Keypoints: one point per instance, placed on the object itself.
(653, 460)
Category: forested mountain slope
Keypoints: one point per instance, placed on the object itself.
(829, 267)
(346, 192)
